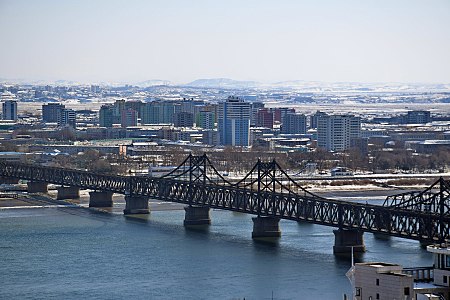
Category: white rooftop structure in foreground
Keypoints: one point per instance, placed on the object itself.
(377, 280)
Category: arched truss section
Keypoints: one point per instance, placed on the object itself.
(434, 199)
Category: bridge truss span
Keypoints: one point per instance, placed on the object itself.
(268, 191)
(434, 199)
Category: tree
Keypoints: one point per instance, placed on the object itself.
(66, 134)
(101, 166)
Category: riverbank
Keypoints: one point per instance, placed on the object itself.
(368, 191)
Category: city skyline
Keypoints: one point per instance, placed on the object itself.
(266, 41)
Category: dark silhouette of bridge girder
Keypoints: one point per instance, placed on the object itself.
(267, 190)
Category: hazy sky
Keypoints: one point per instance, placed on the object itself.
(182, 40)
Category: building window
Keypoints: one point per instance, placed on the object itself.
(378, 296)
(406, 291)
(447, 261)
(378, 281)
(444, 279)
(358, 291)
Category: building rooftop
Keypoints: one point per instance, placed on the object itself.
(439, 249)
(381, 267)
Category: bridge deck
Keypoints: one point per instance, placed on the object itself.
(266, 195)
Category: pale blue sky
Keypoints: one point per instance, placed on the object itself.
(182, 40)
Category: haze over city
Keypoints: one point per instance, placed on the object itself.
(268, 41)
(225, 149)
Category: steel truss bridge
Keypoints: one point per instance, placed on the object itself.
(267, 190)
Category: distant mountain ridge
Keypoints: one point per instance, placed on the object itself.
(318, 86)
(227, 83)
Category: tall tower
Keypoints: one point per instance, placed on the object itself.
(334, 132)
(264, 118)
(106, 116)
(206, 119)
(9, 110)
(157, 112)
(67, 118)
(294, 124)
(128, 118)
(234, 122)
(51, 112)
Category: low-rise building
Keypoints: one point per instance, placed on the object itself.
(429, 146)
(377, 280)
(12, 156)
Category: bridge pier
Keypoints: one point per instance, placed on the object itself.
(345, 239)
(382, 236)
(266, 227)
(100, 199)
(196, 215)
(68, 192)
(37, 187)
(136, 205)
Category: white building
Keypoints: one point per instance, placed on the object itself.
(67, 118)
(334, 132)
(376, 280)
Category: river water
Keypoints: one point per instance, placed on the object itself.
(76, 253)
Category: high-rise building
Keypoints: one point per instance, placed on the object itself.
(67, 118)
(157, 112)
(315, 117)
(51, 112)
(334, 132)
(128, 118)
(280, 113)
(256, 106)
(118, 107)
(134, 105)
(191, 105)
(234, 122)
(206, 119)
(294, 124)
(106, 116)
(9, 110)
(264, 118)
(184, 119)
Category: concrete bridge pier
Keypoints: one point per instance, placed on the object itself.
(382, 236)
(266, 227)
(68, 192)
(100, 199)
(37, 187)
(136, 205)
(196, 215)
(345, 239)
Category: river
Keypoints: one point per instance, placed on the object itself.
(76, 253)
